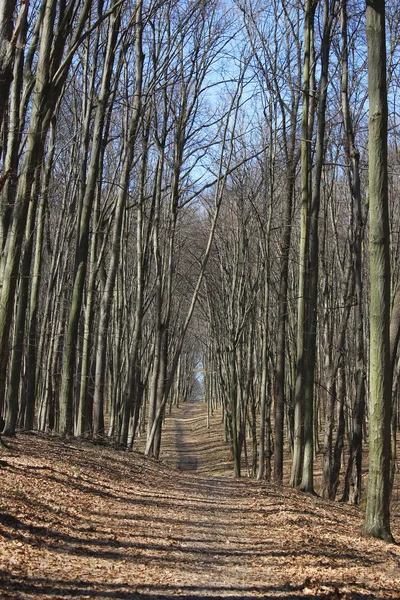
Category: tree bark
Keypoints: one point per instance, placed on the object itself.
(377, 517)
(298, 450)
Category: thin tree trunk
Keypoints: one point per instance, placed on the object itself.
(265, 402)
(35, 287)
(336, 363)
(69, 356)
(352, 489)
(105, 305)
(48, 89)
(298, 450)
(19, 329)
(307, 483)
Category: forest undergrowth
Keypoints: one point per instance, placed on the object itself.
(79, 520)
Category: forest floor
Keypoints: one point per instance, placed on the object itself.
(79, 520)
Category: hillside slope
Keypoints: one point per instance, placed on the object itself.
(84, 521)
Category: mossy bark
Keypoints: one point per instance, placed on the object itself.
(377, 518)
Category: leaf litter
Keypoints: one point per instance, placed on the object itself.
(79, 520)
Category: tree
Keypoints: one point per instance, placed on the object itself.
(82, 249)
(352, 490)
(279, 75)
(377, 517)
(51, 72)
(8, 42)
(308, 463)
(299, 425)
(108, 292)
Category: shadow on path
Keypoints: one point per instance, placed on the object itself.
(41, 586)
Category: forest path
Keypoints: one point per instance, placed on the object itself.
(84, 521)
(190, 445)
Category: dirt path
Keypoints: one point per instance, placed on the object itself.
(82, 521)
(190, 446)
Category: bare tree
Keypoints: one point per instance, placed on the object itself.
(377, 517)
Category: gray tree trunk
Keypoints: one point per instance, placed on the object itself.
(298, 449)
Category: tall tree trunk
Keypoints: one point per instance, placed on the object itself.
(31, 382)
(19, 328)
(298, 450)
(69, 355)
(265, 402)
(394, 342)
(339, 443)
(108, 293)
(377, 516)
(336, 364)
(352, 489)
(307, 483)
(279, 404)
(13, 127)
(133, 393)
(7, 49)
(84, 419)
(49, 81)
